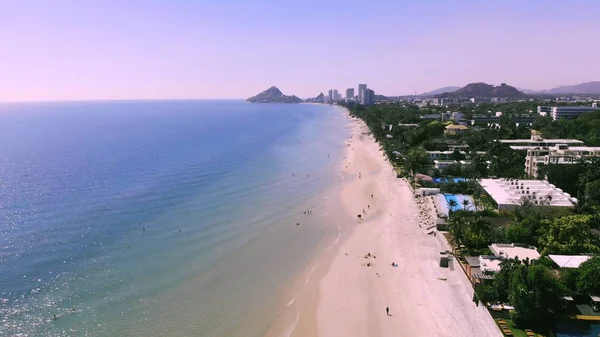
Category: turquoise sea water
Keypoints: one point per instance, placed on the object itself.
(155, 218)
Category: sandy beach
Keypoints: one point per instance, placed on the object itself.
(354, 291)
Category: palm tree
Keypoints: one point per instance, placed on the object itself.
(465, 204)
(479, 226)
(456, 227)
(452, 204)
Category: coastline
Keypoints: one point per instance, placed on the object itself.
(343, 293)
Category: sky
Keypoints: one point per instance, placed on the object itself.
(88, 50)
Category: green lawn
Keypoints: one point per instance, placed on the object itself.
(516, 331)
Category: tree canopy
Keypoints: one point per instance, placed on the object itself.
(588, 281)
(568, 235)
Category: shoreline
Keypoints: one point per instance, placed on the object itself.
(297, 303)
(346, 292)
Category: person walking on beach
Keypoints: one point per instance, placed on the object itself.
(387, 311)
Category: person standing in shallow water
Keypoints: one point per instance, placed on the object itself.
(387, 311)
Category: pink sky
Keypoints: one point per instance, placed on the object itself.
(67, 50)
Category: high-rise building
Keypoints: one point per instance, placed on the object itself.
(349, 94)
(336, 96)
(361, 88)
(367, 97)
(330, 95)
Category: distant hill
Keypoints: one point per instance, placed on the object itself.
(381, 98)
(273, 95)
(581, 88)
(485, 90)
(440, 91)
(319, 99)
(529, 91)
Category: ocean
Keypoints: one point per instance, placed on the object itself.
(156, 218)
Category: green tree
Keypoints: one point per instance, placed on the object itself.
(480, 166)
(480, 228)
(505, 162)
(592, 193)
(569, 277)
(588, 280)
(415, 159)
(465, 204)
(452, 206)
(456, 227)
(453, 170)
(456, 155)
(502, 280)
(568, 235)
(486, 293)
(535, 295)
(523, 231)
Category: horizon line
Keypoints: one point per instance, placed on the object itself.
(121, 100)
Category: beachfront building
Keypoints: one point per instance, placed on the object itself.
(537, 141)
(459, 147)
(442, 164)
(512, 251)
(561, 154)
(447, 155)
(495, 119)
(453, 129)
(442, 155)
(569, 112)
(408, 125)
(544, 110)
(482, 267)
(510, 193)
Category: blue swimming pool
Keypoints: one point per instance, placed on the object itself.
(458, 205)
(445, 180)
(577, 329)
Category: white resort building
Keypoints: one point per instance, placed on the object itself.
(510, 193)
(560, 112)
(561, 154)
(511, 251)
(536, 141)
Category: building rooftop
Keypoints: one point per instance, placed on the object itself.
(569, 261)
(541, 141)
(456, 127)
(472, 261)
(511, 251)
(444, 152)
(513, 192)
(490, 263)
(581, 148)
